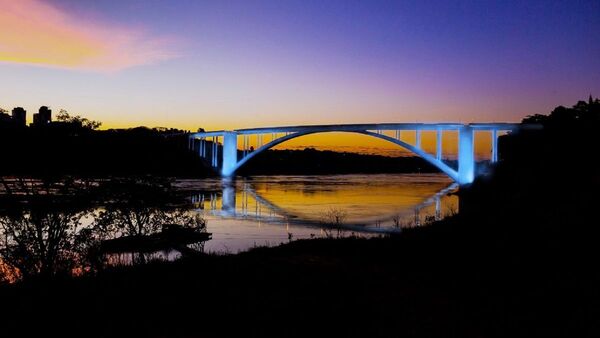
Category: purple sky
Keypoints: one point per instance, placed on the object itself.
(228, 64)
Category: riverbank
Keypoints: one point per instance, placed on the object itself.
(443, 280)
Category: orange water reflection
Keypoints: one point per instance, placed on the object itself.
(267, 209)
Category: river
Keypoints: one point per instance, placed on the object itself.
(269, 210)
(77, 226)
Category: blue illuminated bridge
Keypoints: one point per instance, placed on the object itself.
(230, 149)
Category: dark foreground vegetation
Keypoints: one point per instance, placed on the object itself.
(520, 260)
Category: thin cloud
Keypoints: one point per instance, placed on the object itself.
(36, 33)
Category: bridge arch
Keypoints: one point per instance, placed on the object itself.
(453, 174)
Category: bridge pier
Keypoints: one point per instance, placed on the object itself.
(494, 146)
(229, 153)
(438, 148)
(214, 152)
(466, 156)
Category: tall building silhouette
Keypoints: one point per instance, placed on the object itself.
(19, 116)
(43, 117)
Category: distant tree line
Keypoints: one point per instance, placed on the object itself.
(73, 146)
(311, 161)
(77, 121)
(582, 115)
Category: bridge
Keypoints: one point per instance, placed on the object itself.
(230, 149)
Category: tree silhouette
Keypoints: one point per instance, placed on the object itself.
(581, 114)
(77, 121)
(40, 241)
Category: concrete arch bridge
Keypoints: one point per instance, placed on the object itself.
(234, 145)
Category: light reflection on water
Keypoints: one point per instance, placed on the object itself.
(240, 214)
(265, 210)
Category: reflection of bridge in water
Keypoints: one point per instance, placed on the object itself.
(247, 204)
(230, 158)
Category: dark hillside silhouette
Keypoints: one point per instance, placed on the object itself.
(561, 154)
(72, 147)
(311, 161)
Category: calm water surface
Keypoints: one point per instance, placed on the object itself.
(268, 210)
(48, 238)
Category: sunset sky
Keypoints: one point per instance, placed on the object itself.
(240, 64)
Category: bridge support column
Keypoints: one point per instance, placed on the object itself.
(418, 139)
(466, 156)
(229, 153)
(438, 152)
(494, 146)
(213, 152)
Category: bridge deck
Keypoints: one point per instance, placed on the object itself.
(369, 126)
(380, 126)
